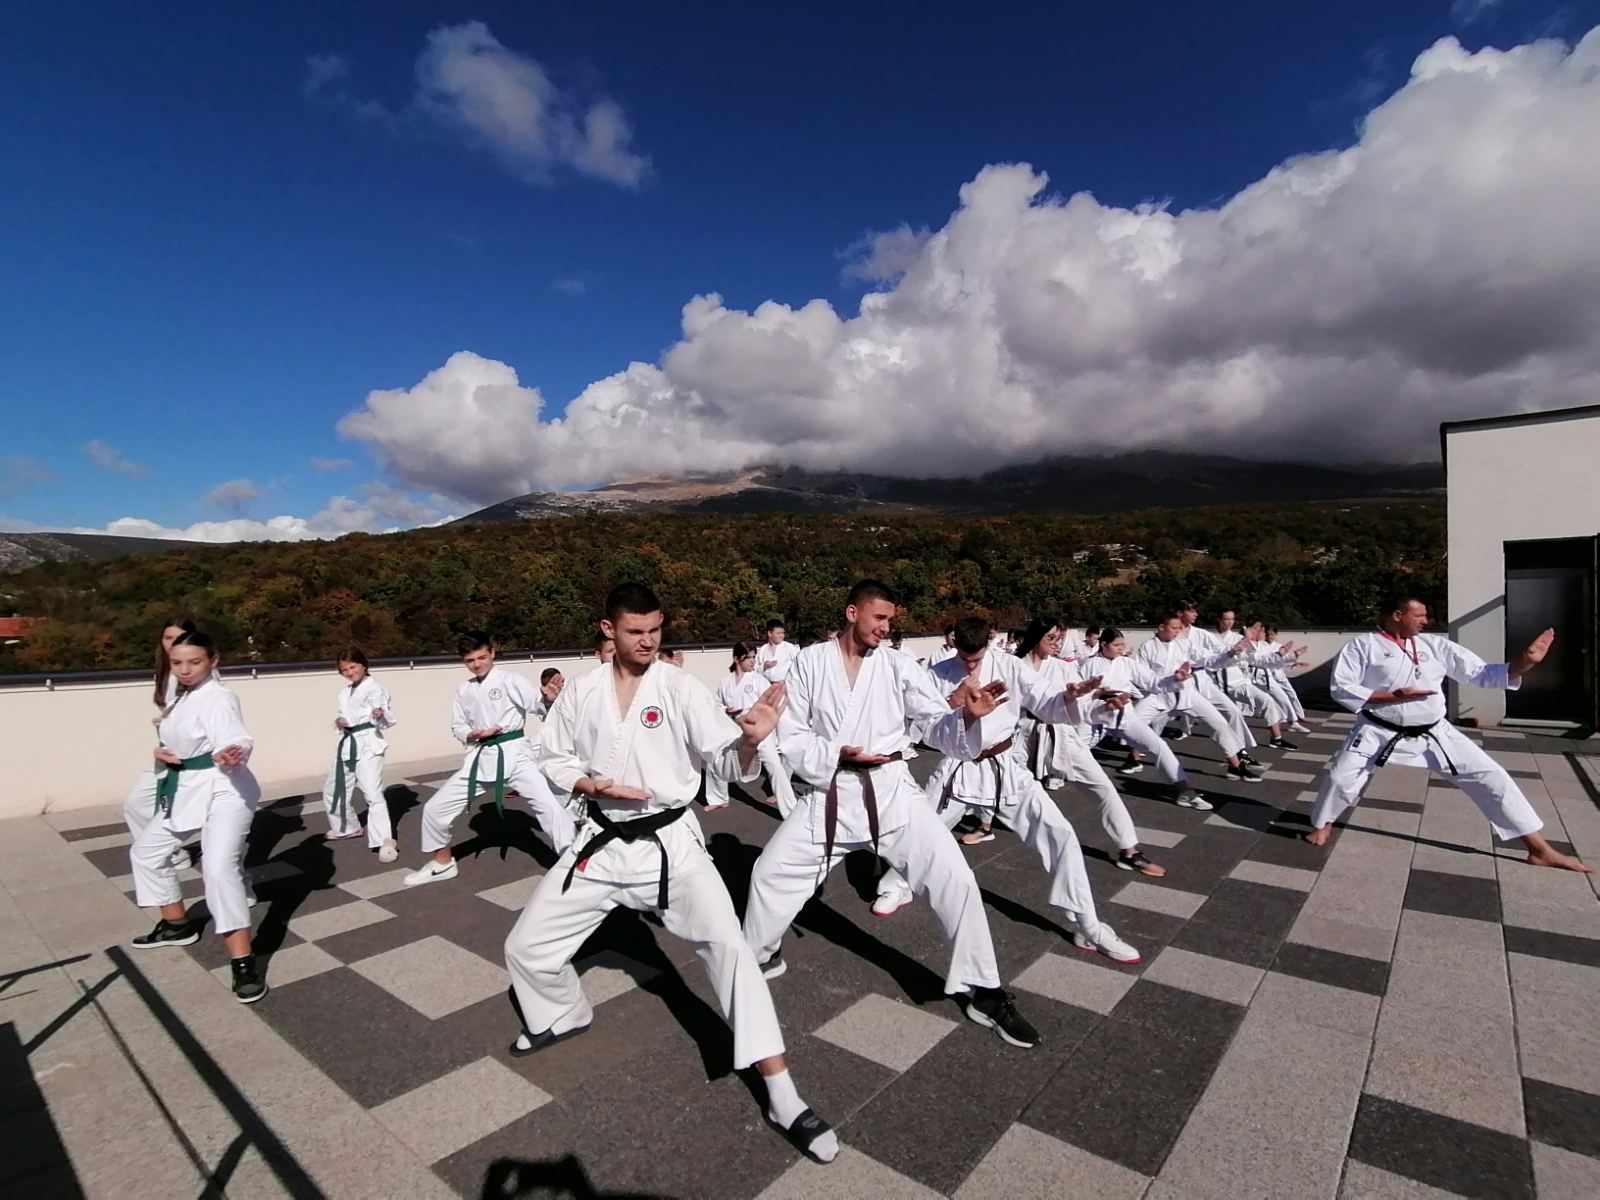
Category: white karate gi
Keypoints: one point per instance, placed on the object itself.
(1137, 679)
(740, 692)
(1238, 682)
(1210, 656)
(215, 803)
(355, 706)
(1270, 668)
(501, 698)
(1156, 707)
(826, 713)
(1063, 749)
(673, 726)
(1375, 662)
(139, 806)
(774, 661)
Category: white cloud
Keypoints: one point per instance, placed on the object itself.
(235, 495)
(1468, 12)
(331, 464)
(884, 257)
(380, 509)
(1446, 265)
(108, 458)
(505, 102)
(323, 71)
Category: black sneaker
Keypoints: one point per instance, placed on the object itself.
(167, 933)
(1246, 772)
(248, 986)
(1247, 760)
(1132, 767)
(1136, 860)
(1279, 743)
(774, 966)
(993, 1008)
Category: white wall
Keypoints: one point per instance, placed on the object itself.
(1510, 483)
(74, 746)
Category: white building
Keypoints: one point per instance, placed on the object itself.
(1524, 515)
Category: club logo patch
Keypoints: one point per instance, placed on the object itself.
(494, 693)
(651, 717)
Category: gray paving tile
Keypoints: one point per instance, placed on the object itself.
(851, 1174)
(1076, 980)
(1294, 878)
(1169, 900)
(339, 919)
(1028, 1165)
(455, 1110)
(1214, 977)
(434, 976)
(1344, 937)
(1292, 777)
(289, 965)
(1563, 1175)
(1363, 1182)
(889, 1033)
(513, 896)
(1452, 1155)
(370, 887)
(1558, 1021)
(1157, 837)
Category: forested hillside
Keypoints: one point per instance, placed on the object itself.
(540, 584)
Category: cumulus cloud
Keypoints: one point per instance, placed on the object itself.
(1468, 12)
(235, 495)
(884, 257)
(380, 509)
(1447, 265)
(108, 458)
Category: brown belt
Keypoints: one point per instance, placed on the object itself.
(989, 755)
(869, 801)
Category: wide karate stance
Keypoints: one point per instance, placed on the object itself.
(743, 688)
(1208, 653)
(487, 718)
(844, 733)
(202, 787)
(364, 712)
(630, 738)
(1123, 682)
(1169, 656)
(1394, 678)
(998, 781)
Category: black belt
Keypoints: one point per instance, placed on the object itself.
(1402, 733)
(628, 832)
(992, 754)
(830, 808)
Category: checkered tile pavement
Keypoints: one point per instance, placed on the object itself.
(1413, 1012)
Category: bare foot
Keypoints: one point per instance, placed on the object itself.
(1319, 837)
(1549, 856)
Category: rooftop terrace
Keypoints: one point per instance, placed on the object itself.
(1412, 1013)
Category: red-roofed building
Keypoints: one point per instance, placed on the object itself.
(14, 629)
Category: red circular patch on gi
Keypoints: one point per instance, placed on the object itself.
(650, 717)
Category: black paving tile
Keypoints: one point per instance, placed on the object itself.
(92, 831)
(1440, 1151)
(1367, 975)
(1453, 895)
(1408, 806)
(1286, 848)
(1243, 922)
(1560, 946)
(1180, 1014)
(1562, 1116)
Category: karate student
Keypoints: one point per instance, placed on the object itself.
(947, 650)
(488, 716)
(998, 780)
(363, 713)
(1122, 682)
(1270, 664)
(1238, 681)
(551, 681)
(630, 738)
(777, 653)
(1206, 652)
(140, 805)
(1061, 751)
(1393, 679)
(740, 692)
(1168, 657)
(844, 734)
(604, 649)
(203, 787)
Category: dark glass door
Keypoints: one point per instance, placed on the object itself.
(1550, 584)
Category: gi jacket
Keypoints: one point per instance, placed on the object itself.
(826, 713)
(204, 721)
(355, 706)
(501, 698)
(1375, 662)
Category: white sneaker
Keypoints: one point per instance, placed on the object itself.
(331, 836)
(430, 872)
(1299, 728)
(713, 805)
(890, 902)
(1105, 941)
(909, 753)
(1055, 783)
(250, 900)
(388, 852)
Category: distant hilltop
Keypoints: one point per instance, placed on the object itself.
(1087, 485)
(19, 551)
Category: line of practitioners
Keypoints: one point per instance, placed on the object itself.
(626, 749)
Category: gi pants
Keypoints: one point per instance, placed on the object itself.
(368, 776)
(1138, 734)
(139, 809)
(1207, 688)
(555, 923)
(1062, 753)
(225, 828)
(1282, 691)
(1153, 712)
(1254, 698)
(777, 777)
(792, 866)
(1483, 780)
(522, 776)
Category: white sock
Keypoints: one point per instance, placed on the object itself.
(785, 1106)
(523, 1043)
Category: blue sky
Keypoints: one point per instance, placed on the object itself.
(214, 254)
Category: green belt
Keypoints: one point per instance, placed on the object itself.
(344, 757)
(497, 740)
(167, 781)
